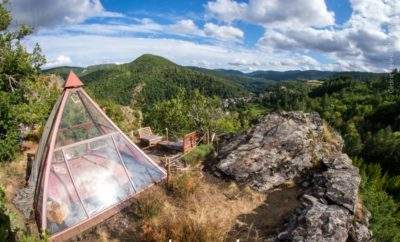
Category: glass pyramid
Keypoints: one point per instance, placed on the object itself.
(88, 167)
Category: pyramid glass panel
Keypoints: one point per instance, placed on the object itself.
(98, 173)
(140, 169)
(63, 206)
(88, 167)
(80, 122)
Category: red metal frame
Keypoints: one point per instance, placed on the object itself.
(49, 156)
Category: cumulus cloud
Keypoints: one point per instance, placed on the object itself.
(244, 62)
(223, 32)
(60, 60)
(186, 26)
(367, 41)
(50, 13)
(226, 10)
(304, 39)
(273, 12)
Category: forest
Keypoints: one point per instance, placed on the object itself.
(156, 92)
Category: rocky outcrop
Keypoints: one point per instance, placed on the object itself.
(297, 147)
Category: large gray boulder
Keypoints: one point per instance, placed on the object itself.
(279, 149)
(297, 147)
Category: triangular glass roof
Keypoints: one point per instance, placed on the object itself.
(88, 167)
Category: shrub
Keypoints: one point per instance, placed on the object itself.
(184, 185)
(199, 154)
(9, 146)
(5, 223)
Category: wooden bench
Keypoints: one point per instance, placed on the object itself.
(185, 145)
(146, 135)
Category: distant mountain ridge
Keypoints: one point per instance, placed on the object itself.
(312, 75)
(162, 74)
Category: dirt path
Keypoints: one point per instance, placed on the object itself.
(267, 218)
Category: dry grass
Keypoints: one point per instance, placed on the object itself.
(184, 185)
(360, 210)
(207, 213)
(332, 141)
(149, 205)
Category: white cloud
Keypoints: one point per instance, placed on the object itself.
(186, 26)
(147, 26)
(60, 60)
(86, 50)
(273, 12)
(226, 10)
(50, 13)
(367, 41)
(223, 32)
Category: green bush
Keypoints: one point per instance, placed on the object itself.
(5, 223)
(189, 111)
(199, 154)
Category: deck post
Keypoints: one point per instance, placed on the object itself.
(168, 163)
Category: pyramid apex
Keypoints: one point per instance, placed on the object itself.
(72, 81)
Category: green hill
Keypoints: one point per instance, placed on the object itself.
(158, 77)
(252, 84)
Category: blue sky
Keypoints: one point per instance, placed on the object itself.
(232, 34)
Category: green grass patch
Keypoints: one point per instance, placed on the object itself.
(198, 155)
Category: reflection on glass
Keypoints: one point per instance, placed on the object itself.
(141, 171)
(76, 123)
(63, 206)
(98, 173)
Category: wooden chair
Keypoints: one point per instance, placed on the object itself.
(146, 135)
(185, 145)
